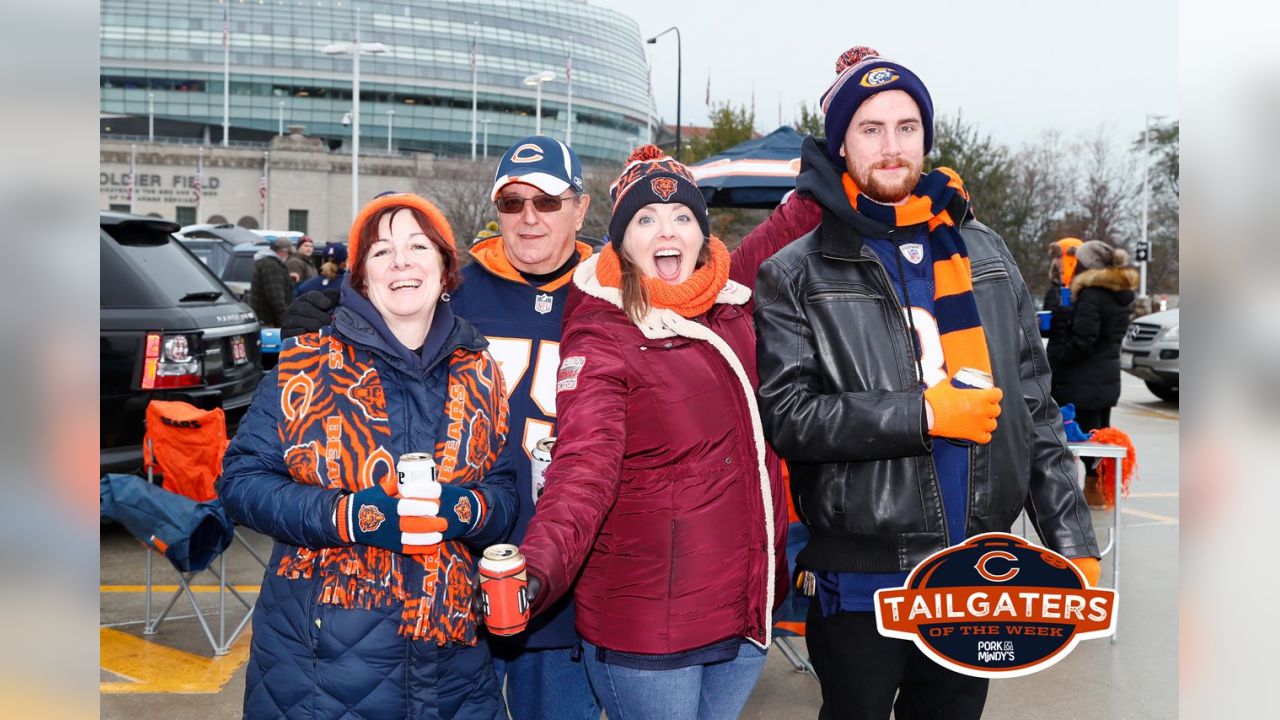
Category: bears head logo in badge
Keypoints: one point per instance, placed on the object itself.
(876, 77)
(996, 606)
(463, 509)
(370, 518)
(663, 187)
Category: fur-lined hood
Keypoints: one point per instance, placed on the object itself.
(1116, 279)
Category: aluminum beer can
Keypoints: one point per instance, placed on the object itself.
(416, 476)
(968, 377)
(504, 590)
(541, 461)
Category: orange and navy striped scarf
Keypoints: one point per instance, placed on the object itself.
(335, 433)
(932, 202)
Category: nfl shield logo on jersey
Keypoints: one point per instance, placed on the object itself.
(913, 252)
(542, 303)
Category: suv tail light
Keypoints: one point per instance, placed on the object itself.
(168, 362)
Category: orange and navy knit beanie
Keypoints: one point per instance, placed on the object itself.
(861, 73)
(653, 177)
(397, 199)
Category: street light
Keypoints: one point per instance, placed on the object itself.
(536, 80)
(355, 50)
(151, 117)
(281, 130)
(390, 114)
(1146, 163)
(654, 40)
(486, 138)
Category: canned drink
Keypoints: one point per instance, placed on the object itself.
(968, 377)
(504, 590)
(541, 461)
(416, 476)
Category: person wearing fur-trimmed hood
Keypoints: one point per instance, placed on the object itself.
(663, 499)
(1084, 351)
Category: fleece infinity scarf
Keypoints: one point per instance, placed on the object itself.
(964, 344)
(690, 298)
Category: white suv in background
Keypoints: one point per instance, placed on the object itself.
(1150, 352)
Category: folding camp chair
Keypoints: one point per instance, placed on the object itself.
(185, 445)
(789, 619)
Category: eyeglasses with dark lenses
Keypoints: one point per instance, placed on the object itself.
(511, 205)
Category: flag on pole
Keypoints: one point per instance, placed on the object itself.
(199, 175)
(226, 26)
(473, 55)
(708, 89)
(568, 75)
(262, 194)
(132, 152)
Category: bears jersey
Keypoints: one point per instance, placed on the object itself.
(522, 324)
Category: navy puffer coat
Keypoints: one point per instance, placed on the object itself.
(312, 660)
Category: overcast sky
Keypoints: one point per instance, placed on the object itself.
(1014, 68)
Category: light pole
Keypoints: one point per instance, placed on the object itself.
(654, 40)
(355, 50)
(151, 117)
(390, 114)
(1146, 248)
(281, 130)
(486, 138)
(536, 80)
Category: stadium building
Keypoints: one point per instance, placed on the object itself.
(162, 71)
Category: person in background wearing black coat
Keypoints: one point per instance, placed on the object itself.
(1084, 343)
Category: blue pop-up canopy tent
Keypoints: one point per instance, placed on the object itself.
(756, 173)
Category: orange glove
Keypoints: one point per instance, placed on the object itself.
(963, 413)
(1091, 567)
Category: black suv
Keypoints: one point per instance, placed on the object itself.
(170, 331)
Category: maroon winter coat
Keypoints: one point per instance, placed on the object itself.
(663, 493)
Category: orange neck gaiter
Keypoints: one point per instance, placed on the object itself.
(690, 298)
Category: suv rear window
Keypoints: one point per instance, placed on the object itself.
(240, 268)
(147, 268)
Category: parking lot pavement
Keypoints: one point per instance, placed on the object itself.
(174, 675)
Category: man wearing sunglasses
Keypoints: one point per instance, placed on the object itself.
(515, 293)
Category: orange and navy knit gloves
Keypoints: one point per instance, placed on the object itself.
(963, 413)
(1091, 567)
(405, 525)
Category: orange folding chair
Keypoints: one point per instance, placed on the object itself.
(185, 445)
(788, 621)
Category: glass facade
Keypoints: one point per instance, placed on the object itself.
(171, 52)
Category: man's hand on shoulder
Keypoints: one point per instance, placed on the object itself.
(309, 312)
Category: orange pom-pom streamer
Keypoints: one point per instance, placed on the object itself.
(1106, 466)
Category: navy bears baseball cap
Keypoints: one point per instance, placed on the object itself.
(540, 161)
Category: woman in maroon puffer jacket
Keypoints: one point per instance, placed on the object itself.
(663, 500)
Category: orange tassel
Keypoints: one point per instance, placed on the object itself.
(1106, 466)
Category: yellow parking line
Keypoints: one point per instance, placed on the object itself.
(150, 667)
(1150, 515)
(172, 588)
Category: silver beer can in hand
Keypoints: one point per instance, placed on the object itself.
(416, 473)
(541, 460)
(974, 378)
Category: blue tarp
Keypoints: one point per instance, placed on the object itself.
(756, 173)
(188, 533)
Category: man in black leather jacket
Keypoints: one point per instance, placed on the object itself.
(890, 461)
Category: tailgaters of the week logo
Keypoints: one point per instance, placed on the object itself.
(996, 606)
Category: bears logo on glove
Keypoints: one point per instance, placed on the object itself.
(463, 509)
(371, 518)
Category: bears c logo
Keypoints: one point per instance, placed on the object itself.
(663, 187)
(996, 606)
(527, 153)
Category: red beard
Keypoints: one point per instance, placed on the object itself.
(887, 192)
